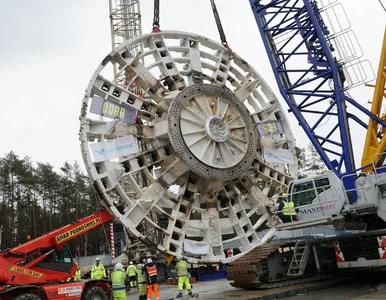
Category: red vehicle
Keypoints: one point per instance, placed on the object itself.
(39, 269)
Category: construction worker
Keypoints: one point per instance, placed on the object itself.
(150, 270)
(77, 275)
(182, 275)
(141, 278)
(287, 212)
(132, 273)
(98, 270)
(118, 278)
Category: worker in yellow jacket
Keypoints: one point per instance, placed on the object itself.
(118, 278)
(77, 275)
(287, 211)
(141, 277)
(132, 273)
(182, 274)
(98, 270)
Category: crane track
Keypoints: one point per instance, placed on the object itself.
(249, 271)
(242, 270)
(279, 284)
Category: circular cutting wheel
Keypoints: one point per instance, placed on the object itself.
(186, 146)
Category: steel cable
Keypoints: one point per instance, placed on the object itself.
(219, 25)
(156, 16)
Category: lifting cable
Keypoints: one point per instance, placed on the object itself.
(156, 17)
(384, 8)
(219, 26)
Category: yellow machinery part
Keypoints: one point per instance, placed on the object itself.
(375, 143)
(169, 258)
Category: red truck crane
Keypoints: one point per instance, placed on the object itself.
(39, 269)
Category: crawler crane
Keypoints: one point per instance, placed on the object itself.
(346, 197)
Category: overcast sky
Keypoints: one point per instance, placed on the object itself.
(50, 49)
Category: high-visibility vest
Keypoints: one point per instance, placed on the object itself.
(131, 270)
(152, 271)
(98, 272)
(289, 208)
(118, 280)
(77, 275)
(182, 268)
(141, 276)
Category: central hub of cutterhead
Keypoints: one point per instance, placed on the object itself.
(217, 129)
(212, 131)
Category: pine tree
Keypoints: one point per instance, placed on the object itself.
(301, 157)
(314, 164)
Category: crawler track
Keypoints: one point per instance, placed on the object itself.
(242, 270)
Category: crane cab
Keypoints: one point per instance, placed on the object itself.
(317, 199)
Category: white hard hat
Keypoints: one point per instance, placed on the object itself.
(131, 263)
(149, 260)
(98, 258)
(139, 266)
(179, 257)
(118, 266)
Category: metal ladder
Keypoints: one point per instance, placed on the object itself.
(299, 259)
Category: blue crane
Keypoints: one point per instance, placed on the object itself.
(311, 78)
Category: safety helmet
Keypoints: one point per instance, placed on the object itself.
(179, 257)
(284, 195)
(139, 266)
(98, 258)
(118, 266)
(149, 260)
(131, 263)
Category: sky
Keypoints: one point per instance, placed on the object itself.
(50, 49)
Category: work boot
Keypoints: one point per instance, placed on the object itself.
(179, 295)
(190, 293)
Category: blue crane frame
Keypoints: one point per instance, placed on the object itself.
(312, 92)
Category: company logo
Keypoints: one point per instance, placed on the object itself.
(104, 150)
(316, 209)
(279, 156)
(77, 230)
(70, 289)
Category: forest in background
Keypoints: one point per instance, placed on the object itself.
(36, 199)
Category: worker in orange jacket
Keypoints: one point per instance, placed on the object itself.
(150, 270)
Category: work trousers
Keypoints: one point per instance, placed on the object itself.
(287, 218)
(142, 289)
(152, 288)
(133, 281)
(119, 295)
(183, 280)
